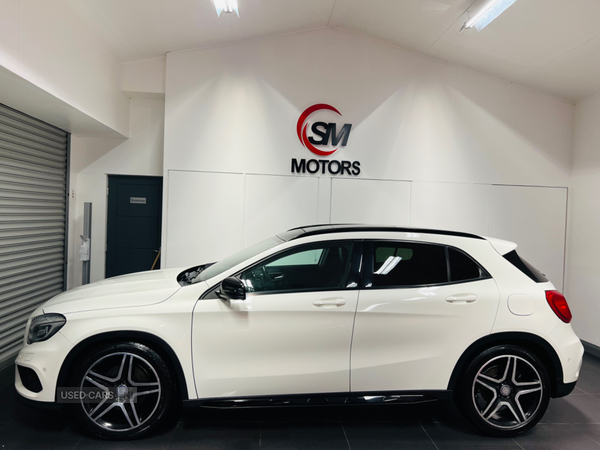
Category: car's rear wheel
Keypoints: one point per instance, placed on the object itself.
(126, 390)
(504, 391)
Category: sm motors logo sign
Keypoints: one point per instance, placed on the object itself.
(323, 136)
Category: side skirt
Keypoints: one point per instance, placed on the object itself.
(331, 399)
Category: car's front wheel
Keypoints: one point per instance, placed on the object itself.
(504, 391)
(125, 390)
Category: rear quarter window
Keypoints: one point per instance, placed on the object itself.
(463, 267)
(525, 267)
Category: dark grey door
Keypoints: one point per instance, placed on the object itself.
(134, 224)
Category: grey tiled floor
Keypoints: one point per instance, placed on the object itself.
(572, 422)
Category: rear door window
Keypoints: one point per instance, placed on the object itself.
(408, 264)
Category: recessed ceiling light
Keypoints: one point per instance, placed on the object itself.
(227, 6)
(486, 14)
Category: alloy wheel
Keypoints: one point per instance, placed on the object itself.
(507, 392)
(129, 389)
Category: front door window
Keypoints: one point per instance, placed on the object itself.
(312, 267)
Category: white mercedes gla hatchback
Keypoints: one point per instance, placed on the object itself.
(330, 313)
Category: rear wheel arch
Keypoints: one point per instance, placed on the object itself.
(536, 344)
(152, 341)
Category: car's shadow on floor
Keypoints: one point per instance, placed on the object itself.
(425, 425)
(337, 425)
(430, 412)
(196, 417)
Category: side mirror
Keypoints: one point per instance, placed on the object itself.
(232, 289)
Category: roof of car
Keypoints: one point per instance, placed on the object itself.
(312, 230)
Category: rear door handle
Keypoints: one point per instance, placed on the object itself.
(461, 298)
(332, 302)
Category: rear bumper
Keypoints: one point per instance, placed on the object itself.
(563, 389)
(570, 352)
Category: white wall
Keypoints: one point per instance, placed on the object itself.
(46, 44)
(145, 78)
(93, 159)
(583, 265)
(439, 146)
(234, 108)
(251, 207)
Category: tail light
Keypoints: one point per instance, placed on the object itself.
(559, 305)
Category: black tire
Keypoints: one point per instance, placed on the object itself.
(504, 391)
(142, 385)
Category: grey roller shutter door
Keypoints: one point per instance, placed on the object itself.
(33, 209)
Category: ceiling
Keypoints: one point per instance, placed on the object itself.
(549, 45)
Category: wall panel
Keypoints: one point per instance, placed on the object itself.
(370, 201)
(534, 218)
(451, 206)
(204, 217)
(277, 203)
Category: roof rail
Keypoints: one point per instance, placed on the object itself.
(312, 230)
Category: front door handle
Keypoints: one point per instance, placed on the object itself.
(333, 302)
(461, 298)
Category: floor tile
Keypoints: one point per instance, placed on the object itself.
(461, 435)
(592, 430)
(160, 441)
(18, 436)
(7, 377)
(555, 436)
(578, 391)
(226, 436)
(314, 436)
(385, 436)
(573, 409)
(591, 361)
(589, 380)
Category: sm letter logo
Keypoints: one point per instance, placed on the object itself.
(324, 134)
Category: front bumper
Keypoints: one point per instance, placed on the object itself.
(45, 406)
(45, 359)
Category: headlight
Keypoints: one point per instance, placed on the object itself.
(44, 327)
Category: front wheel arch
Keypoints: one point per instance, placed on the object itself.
(152, 341)
(537, 345)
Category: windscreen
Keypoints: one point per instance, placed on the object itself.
(237, 258)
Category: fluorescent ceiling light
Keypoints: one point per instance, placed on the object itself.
(488, 12)
(228, 6)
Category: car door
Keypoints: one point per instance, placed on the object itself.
(420, 307)
(292, 333)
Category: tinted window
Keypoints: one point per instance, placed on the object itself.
(525, 267)
(407, 264)
(237, 258)
(462, 267)
(321, 266)
(305, 258)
